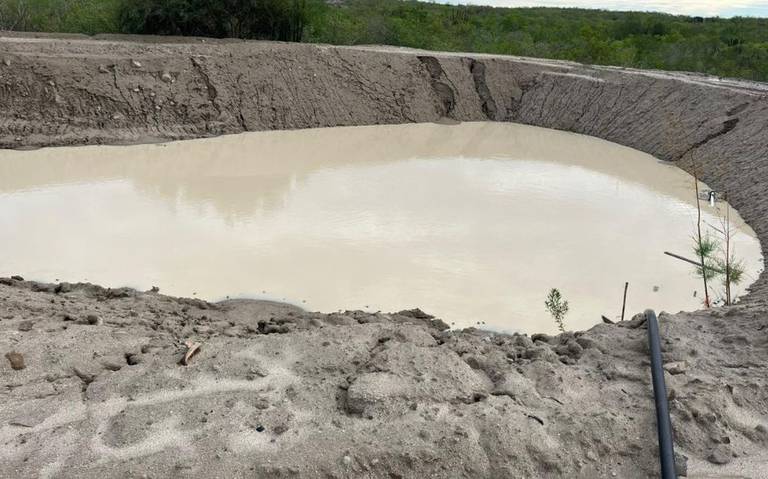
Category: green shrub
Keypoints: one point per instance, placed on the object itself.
(557, 307)
(258, 19)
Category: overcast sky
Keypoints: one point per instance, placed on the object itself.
(707, 8)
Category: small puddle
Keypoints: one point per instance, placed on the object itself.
(473, 222)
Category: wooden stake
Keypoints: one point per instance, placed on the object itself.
(624, 303)
(696, 263)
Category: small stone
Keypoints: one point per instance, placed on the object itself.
(347, 460)
(259, 428)
(112, 365)
(675, 368)
(26, 326)
(92, 319)
(16, 360)
(17, 277)
(103, 69)
(166, 77)
(132, 359)
(7, 62)
(722, 454)
(681, 464)
(84, 373)
(135, 64)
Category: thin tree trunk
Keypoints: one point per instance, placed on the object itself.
(698, 232)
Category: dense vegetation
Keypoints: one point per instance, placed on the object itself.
(735, 47)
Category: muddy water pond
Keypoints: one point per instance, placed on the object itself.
(473, 222)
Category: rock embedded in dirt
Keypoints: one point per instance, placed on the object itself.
(85, 373)
(677, 367)
(112, 364)
(133, 359)
(16, 360)
(26, 326)
(722, 454)
(681, 464)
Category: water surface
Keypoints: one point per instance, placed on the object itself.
(472, 222)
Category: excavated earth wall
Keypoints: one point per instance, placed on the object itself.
(279, 392)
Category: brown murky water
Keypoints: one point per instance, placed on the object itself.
(472, 222)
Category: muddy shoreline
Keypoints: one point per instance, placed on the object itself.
(279, 392)
(122, 89)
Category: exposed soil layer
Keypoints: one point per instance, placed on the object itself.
(90, 381)
(278, 392)
(123, 89)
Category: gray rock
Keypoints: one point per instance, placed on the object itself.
(541, 353)
(85, 373)
(677, 367)
(722, 454)
(16, 360)
(133, 359)
(26, 326)
(681, 464)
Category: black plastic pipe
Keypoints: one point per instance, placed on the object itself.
(663, 424)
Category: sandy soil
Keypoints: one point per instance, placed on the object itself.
(277, 392)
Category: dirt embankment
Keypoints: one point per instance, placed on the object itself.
(278, 392)
(109, 90)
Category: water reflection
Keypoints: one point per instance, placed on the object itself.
(473, 222)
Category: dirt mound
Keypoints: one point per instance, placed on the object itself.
(274, 391)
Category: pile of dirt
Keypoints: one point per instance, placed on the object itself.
(274, 391)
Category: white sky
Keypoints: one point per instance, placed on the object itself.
(722, 8)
